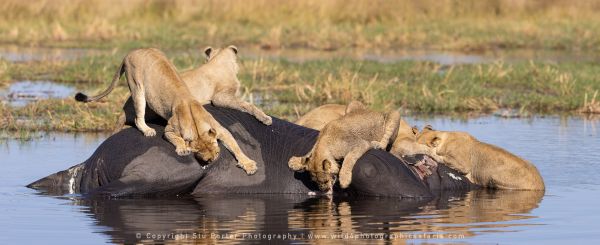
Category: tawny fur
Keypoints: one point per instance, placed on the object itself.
(216, 81)
(405, 141)
(317, 118)
(346, 138)
(483, 164)
(154, 81)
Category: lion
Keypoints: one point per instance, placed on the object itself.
(347, 138)
(317, 118)
(483, 164)
(405, 139)
(154, 81)
(215, 81)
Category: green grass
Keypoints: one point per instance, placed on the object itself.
(315, 24)
(289, 89)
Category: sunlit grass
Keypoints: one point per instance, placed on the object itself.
(316, 24)
(287, 89)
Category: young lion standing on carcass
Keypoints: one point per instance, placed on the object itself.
(153, 80)
(215, 81)
(349, 138)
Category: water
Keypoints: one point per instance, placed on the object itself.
(14, 53)
(442, 57)
(23, 92)
(565, 150)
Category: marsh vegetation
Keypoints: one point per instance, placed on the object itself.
(288, 87)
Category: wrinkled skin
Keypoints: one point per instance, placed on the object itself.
(129, 164)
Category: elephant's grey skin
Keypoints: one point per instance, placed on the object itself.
(129, 164)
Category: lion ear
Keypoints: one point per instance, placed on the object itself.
(212, 132)
(207, 51)
(415, 130)
(435, 142)
(234, 48)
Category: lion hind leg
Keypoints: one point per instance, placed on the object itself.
(229, 101)
(139, 104)
(392, 123)
(345, 173)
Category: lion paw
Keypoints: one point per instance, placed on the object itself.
(183, 151)
(249, 166)
(345, 180)
(295, 163)
(267, 120)
(149, 132)
(377, 145)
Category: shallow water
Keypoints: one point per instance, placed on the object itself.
(565, 150)
(23, 92)
(15, 53)
(441, 57)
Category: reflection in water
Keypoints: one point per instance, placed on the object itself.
(235, 219)
(565, 150)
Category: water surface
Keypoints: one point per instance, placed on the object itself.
(565, 150)
(23, 92)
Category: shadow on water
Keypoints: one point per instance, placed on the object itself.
(231, 219)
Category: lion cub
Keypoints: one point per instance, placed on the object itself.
(482, 163)
(346, 138)
(217, 81)
(405, 139)
(317, 118)
(153, 80)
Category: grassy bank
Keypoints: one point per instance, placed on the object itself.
(322, 25)
(288, 89)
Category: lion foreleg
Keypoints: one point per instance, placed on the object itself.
(225, 136)
(174, 136)
(345, 174)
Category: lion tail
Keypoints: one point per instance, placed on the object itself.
(84, 98)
